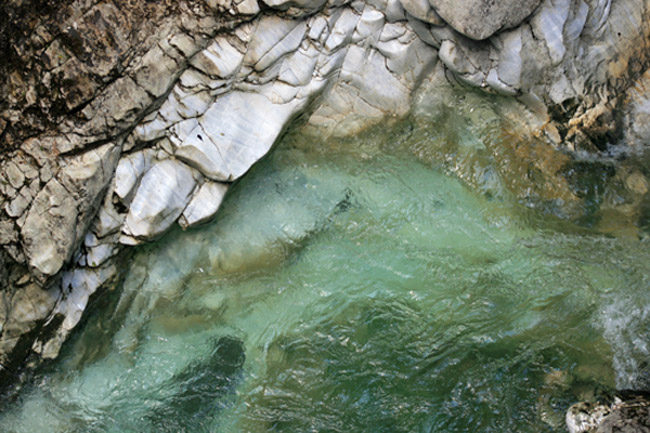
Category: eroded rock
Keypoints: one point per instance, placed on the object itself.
(50, 229)
(163, 194)
(204, 204)
(224, 144)
(195, 92)
(480, 19)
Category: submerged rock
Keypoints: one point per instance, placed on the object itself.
(200, 387)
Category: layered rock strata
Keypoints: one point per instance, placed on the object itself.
(120, 119)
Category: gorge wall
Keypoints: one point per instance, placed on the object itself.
(119, 119)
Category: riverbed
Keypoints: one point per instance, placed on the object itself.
(393, 281)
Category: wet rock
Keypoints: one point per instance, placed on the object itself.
(28, 308)
(637, 113)
(76, 287)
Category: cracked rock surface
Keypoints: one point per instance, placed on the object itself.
(120, 119)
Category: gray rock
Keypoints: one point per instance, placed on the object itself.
(465, 61)
(15, 176)
(163, 194)
(191, 104)
(204, 204)
(317, 27)
(369, 24)
(28, 306)
(77, 286)
(97, 255)
(288, 44)
(480, 19)
(548, 24)
(50, 230)
(120, 109)
(219, 60)
(23, 199)
(184, 43)
(129, 171)
(375, 81)
(302, 4)
(422, 10)
(423, 31)
(157, 72)
(342, 30)
(224, 144)
(247, 7)
(273, 36)
(87, 177)
(628, 413)
(7, 232)
(510, 62)
(108, 221)
(298, 68)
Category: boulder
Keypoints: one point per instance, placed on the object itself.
(164, 192)
(480, 19)
(225, 143)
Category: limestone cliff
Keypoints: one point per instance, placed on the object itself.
(120, 118)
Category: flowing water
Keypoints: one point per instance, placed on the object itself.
(357, 285)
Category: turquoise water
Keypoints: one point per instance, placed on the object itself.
(356, 286)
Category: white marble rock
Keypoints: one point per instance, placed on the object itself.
(163, 194)
(204, 204)
(225, 143)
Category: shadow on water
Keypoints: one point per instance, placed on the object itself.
(202, 390)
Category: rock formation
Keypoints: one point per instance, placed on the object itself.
(629, 412)
(119, 119)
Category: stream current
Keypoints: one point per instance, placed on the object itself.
(357, 285)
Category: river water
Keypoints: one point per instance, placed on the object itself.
(359, 285)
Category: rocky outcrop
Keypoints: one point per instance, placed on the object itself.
(481, 19)
(628, 412)
(120, 120)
